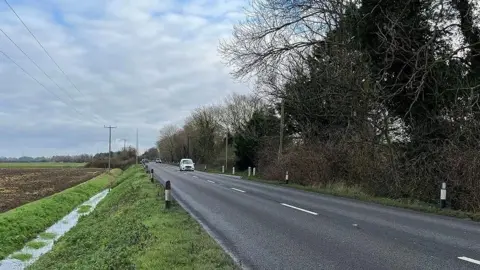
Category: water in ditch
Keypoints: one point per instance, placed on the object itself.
(57, 230)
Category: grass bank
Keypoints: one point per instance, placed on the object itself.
(22, 224)
(41, 165)
(130, 229)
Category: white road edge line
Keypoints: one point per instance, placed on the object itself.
(469, 260)
(211, 181)
(300, 209)
(239, 190)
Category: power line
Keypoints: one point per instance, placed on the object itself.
(39, 43)
(37, 81)
(42, 70)
(45, 50)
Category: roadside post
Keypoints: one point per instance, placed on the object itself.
(151, 175)
(146, 168)
(249, 171)
(286, 177)
(168, 195)
(253, 171)
(443, 195)
(205, 167)
(223, 169)
(233, 170)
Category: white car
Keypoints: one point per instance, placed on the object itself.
(187, 164)
(158, 160)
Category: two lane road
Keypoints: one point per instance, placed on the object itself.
(271, 227)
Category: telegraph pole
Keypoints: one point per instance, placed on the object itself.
(109, 145)
(282, 120)
(136, 150)
(226, 151)
(124, 144)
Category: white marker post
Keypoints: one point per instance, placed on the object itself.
(168, 195)
(286, 177)
(223, 169)
(205, 167)
(151, 176)
(233, 170)
(443, 195)
(253, 171)
(249, 171)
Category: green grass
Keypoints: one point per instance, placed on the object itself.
(22, 224)
(47, 235)
(130, 229)
(356, 192)
(36, 244)
(40, 165)
(22, 256)
(83, 209)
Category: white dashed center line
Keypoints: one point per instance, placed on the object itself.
(211, 181)
(469, 260)
(299, 209)
(239, 190)
(195, 176)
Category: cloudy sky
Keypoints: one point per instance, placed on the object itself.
(135, 64)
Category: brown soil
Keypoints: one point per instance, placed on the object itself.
(22, 185)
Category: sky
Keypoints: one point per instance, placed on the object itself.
(130, 64)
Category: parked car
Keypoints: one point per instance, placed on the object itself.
(187, 164)
(158, 160)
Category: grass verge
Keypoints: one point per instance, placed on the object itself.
(22, 224)
(355, 192)
(130, 229)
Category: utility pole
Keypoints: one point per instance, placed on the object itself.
(226, 151)
(136, 150)
(124, 144)
(188, 146)
(109, 145)
(282, 120)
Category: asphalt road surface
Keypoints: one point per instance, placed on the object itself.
(271, 227)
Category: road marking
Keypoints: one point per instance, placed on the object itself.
(195, 176)
(298, 208)
(239, 190)
(211, 181)
(469, 260)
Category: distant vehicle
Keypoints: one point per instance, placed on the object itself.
(187, 164)
(158, 160)
(144, 161)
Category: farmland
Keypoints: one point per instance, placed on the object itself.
(20, 185)
(40, 165)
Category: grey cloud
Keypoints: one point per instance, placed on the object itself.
(139, 64)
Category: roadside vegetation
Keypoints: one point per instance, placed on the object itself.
(383, 99)
(130, 229)
(24, 223)
(120, 159)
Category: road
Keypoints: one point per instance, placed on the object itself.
(271, 227)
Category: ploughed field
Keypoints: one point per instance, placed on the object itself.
(22, 185)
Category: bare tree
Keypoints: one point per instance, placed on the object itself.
(167, 141)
